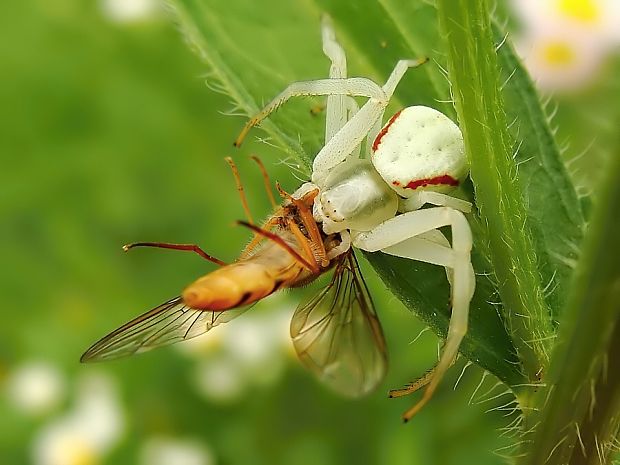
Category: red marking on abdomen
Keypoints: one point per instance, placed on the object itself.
(443, 179)
(384, 131)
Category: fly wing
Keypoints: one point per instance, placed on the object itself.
(170, 322)
(338, 336)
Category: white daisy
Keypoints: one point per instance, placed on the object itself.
(564, 43)
(558, 62)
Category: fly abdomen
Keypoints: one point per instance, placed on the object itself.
(229, 287)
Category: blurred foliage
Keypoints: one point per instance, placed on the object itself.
(108, 135)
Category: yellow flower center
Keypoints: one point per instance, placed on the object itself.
(76, 452)
(585, 11)
(558, 54)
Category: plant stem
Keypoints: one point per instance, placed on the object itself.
(578, 410)
(474, 74)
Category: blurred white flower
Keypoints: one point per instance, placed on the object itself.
(220, 379)
(168, 451)
(263, 332)
(250, 350)
(85, 433)
(564, 42)
(127, 11)
(62, 443)
(204, 344)
(262, 344)
(557, 62)
(35, 387)
(254, 340)
(98, 409)
(595, 18)
(282, 324)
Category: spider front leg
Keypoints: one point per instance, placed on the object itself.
(339, 108)
(366, 123)
(336, 114)
(361, 87)
(399, 236)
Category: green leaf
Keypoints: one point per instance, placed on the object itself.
(253, 58)
(554, 211)
(258, 63)
(210, 30)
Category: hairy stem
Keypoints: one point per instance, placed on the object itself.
(474, 74)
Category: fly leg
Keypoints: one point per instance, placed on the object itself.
(266, 180)
(311, 266)
(244, 200)
(304, 211)
(273, 221)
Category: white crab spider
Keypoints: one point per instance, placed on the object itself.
(375, 202)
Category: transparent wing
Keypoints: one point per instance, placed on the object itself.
(338, 336)
(166, 324)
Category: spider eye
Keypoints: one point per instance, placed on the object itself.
(355, 197)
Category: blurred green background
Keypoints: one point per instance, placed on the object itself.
(108, 135)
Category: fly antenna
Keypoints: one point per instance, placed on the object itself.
(187, 247)
(244, 201)
(266, 180)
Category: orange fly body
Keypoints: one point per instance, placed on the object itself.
(336, 333)
(281, 258)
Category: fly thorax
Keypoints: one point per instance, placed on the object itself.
(355, 197)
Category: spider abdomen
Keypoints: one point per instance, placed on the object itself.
(420, 149)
